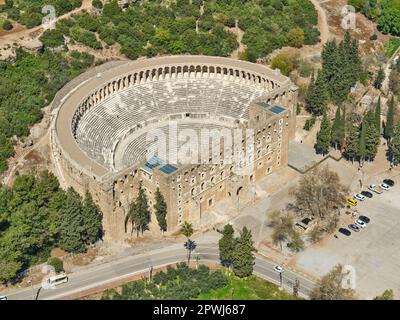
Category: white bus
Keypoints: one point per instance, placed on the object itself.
(58, 279)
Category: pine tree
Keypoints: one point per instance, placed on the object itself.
(390, 120)
(318, 96)
(243, 257)
(342, 67)
(337, 134)
(160, 208)
(227, 243)
(70, 222)
(324, 136)
(353, 143)
(330, 61)
(92, 218)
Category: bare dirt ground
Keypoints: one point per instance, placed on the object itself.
(242, 47)
(28, 38)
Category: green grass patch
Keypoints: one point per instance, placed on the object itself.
(391, 46)
(252, 288)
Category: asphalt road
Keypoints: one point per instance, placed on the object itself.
(109, 272)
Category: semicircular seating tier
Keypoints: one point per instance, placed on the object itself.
(101, 130)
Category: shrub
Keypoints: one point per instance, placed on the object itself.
(373, 37)
(305, 70)
(7, 25)
(296, 37)
(56, 263)
(52, 38)
(283, 62)
(310, 123)
(98, 4)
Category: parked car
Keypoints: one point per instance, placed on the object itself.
(359, 197)
(345, 231)
(367, 194)
(278, 269)
(389, 182)
(352, 202)
(375, 188)
(360, 223)
(364, 219)
(384, 186)
(354, 227)
(3, 298)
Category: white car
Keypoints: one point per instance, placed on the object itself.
(359, 197)
(360, 223)
(384, 186)
(3, 298)
(278, 269)
(375, 188)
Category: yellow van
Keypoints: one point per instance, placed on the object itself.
(352, 202)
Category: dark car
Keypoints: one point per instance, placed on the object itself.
(389, 182)
(345, 231)
(364, 219)
(367, 194)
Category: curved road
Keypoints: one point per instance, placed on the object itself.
(96, 276)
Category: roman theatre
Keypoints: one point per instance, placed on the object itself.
(101, 120)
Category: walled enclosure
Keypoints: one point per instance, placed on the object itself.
(97, 141)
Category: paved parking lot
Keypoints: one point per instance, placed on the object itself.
(374, 251)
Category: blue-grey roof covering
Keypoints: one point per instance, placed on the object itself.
(157, 163)
(168, 168)
(263, 104)
(277, 109)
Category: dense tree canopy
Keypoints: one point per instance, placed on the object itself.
(180, 283)
(330, 286)
(385, 12)
(29, 84)
(29, 13)
(197, 27)
(36, 216)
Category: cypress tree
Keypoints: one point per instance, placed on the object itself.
(92, 217)
(390, 120)
(139, 212)
(160, 208)
(372, 137)
(380, 77)
(353, 143)
(362, 151)
(318, 96)
(378, 111)
(243, 257)
(394, 146)
(227, 243)
(70, 221)
(338, 134)
(324, 136)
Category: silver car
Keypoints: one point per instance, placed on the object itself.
(354, 227)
